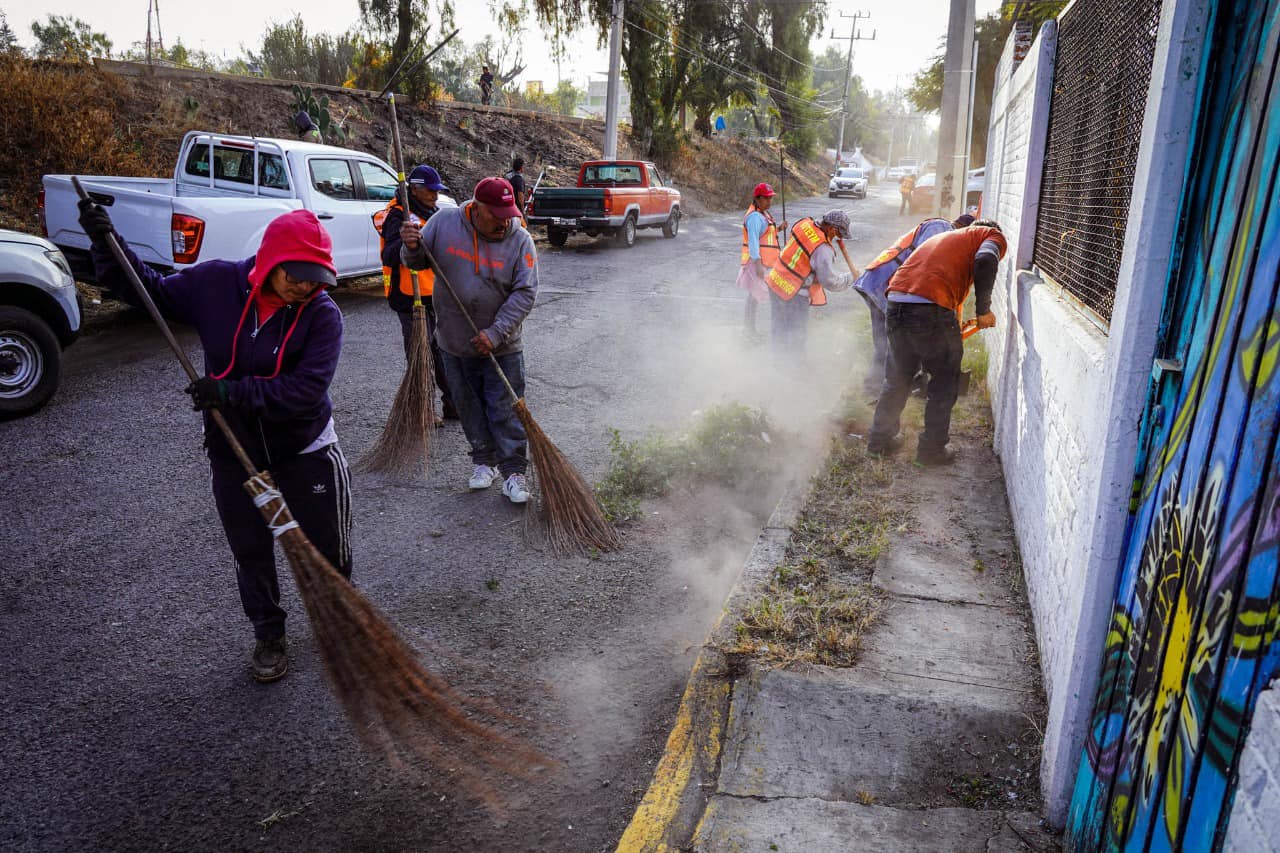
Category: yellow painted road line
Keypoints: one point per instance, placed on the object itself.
(694, 743)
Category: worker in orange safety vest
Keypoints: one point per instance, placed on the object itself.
(804, 271)
(760, 247)
(924, 297)
(397, 280)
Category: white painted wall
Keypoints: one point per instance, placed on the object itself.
(1067, 396)
(1255, 816)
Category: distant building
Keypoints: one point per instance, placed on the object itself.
(597, 92)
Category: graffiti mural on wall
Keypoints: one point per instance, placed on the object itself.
(1195, 628)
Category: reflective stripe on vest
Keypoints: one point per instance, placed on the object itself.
(906, 242)
(792, 267)
(768, 240)
(426, 278)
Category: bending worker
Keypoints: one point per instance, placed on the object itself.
(493, 267)
(873, 285)
(805, 269)
(271, 338)
(425, 187)
(759, 251)
(924, 332)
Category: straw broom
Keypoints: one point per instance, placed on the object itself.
(567, 504)
(404, 446)
(393, 701)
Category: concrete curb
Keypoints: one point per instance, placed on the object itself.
(673, 806)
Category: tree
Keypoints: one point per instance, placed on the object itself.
(289, 53)
(670, 48)
(8, 39)
(403, 20)
(991, 33)
(68, 38)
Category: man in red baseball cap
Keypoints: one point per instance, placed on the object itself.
(760, 249)
(489, 260)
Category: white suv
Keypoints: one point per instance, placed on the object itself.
(39, 317)
(848, 180)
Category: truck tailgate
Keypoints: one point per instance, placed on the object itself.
(568, 201)
(140, 208)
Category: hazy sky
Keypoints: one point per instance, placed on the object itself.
(907, 31)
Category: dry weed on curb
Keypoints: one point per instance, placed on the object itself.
(819, 601)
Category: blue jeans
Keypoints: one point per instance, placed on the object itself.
(874, 380)
(494, 432)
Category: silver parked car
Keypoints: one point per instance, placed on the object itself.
(848, 180)
(39, 317)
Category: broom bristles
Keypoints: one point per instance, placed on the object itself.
(567, 503)
(394, 702)
(404, 447)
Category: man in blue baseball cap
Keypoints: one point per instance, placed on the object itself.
(397, 281)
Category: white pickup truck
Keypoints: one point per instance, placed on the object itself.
(224, 191)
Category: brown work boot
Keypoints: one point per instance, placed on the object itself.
(880, 449)
(270, 660)
(935, 458)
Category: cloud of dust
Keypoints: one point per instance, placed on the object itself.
(687, 349)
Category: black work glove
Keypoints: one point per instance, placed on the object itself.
(94, 220)
(207, 393)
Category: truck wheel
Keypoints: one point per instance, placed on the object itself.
(626, 234)
(30, 362)
(671, 227)
(557, 237)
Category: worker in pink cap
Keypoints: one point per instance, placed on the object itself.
(760, 249)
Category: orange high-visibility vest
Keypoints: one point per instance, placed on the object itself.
(792, 267)
(907, 242)
(942, 269)
(768, 240)
(426, 278)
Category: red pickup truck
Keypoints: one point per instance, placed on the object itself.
(615, 197)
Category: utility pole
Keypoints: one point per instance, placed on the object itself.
(613, 96)
(953, 132)
(154, 4)
(854, 35)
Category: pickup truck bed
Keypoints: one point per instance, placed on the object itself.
(224, 191)
(616, 198)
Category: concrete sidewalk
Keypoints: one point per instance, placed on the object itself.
(930, 742)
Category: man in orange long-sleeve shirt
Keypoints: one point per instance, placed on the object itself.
(924, 332)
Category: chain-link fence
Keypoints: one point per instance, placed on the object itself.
(1103, 67)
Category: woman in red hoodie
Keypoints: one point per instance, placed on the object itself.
(271, 338)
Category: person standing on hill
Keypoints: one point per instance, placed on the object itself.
(425, 187)
(486, 86)
(759, 251)
(490, 261)
(924, 332)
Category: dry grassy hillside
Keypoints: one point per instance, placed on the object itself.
(64, 118)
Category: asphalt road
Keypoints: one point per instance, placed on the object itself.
(128, 719)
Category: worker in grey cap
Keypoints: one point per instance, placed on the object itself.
(804, 271)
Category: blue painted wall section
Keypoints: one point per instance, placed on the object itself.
(1195, 629)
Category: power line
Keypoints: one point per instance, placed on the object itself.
(774, 93)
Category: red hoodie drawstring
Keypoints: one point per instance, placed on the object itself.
(240, 326)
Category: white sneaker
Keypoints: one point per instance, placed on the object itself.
(516, 489)
(482, 477)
